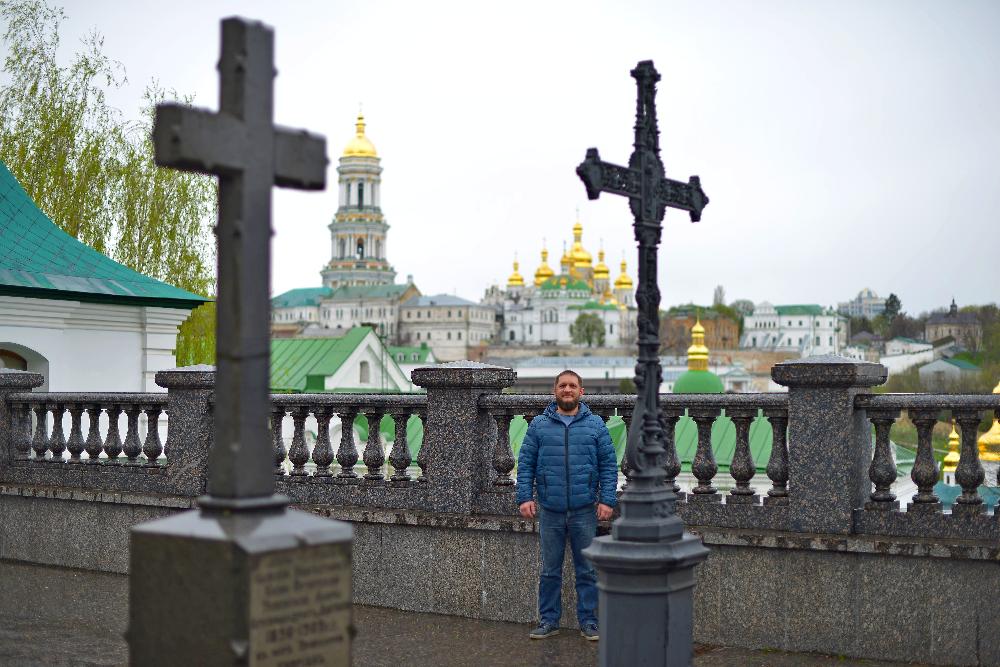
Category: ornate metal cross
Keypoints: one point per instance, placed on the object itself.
(241, 145)
(647, 505)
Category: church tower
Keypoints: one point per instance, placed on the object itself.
(358, 231)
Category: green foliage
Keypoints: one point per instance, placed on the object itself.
(587, 329)
(892, 306)
(626, 386)
(92, 172)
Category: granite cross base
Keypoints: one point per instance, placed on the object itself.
(263, 587)
(646, 599)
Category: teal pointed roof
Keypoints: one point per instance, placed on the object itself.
(39, 260)
(297, 362)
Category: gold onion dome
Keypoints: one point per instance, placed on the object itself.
(601, 271)
(989, 442)
(698, 352)
(581, 258)
(565, 262)
(950, 462)
(515, 279)
(360, 145)
(544, 271)
(623, 281)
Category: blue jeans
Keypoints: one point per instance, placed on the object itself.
(580, 526)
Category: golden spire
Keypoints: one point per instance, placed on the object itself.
(515, 279)
(544, 272)
(565, 262)
(623, 281)
(360, 145)
(989, 442)
(581, 258)
(950, 462)
(697, 353)
(601, 271)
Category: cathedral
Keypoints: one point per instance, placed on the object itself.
(543, 311)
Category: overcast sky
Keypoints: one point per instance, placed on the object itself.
(843, 144)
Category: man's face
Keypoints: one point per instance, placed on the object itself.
(567, 392)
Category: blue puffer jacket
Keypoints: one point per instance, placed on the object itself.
(573, 466)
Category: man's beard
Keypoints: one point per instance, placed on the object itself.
(567, 404)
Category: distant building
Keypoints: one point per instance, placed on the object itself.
(963, 327)
(944, 374)
(903, 353)
(866, 304)
(721, 332)
(807, 329)
(449, 324)
(698, 379)
(409, 357)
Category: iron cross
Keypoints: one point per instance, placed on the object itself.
(249, 154)
(647, 505)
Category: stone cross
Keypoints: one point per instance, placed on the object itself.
(249, 154)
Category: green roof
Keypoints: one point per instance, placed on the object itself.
(305, 296)
(297, 363)
(572, 284)
(593, 305)
(38, 259)
(368, 291)
(799, 309)
(698, 382)
(962, 363)
(422, 352)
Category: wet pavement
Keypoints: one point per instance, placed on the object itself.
(55, 617)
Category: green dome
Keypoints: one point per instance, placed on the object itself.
(698, 382)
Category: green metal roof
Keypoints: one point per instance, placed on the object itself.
(799, 309)
(593, 305)
(296, 362)
(962, 363)
(422, 352)
(572, 284)
(698, 382)
(368, 291)
(37, 259)
(305, 296)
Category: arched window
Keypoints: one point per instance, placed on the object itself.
(361, 195)
(365, 373)
(512, 335)
(361, 249)
(343, 249)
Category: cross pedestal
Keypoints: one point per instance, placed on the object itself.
(242, 580)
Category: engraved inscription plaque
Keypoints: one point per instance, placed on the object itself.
(300, 607)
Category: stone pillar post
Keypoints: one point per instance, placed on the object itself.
(829, 442)
(12, 382)
(189, 425)
(456, 433)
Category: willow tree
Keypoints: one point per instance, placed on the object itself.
(91, 170)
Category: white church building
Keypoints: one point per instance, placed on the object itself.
(83, 321)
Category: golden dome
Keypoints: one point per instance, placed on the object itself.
(544, 271)
(565, 262)
(697, 353)
(989, 442)
(581, 258)
(515, 279)
(601, 271)
(950, 462)
(623, 281)
(360, 145)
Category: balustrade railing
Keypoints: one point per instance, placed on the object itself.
(103, 417)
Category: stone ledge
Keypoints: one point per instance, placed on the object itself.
(504, 524)
(96, 496)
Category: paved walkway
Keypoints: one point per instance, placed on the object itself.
(55, 617)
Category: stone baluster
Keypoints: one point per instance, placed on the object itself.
(777, 465)
(40, 441)
(152, 447)
(969, 473)
(925, 470)
(93, 446)
(503, 455)
(882, 471)
(15, 434)
(374, 454)
(322, 454)
(75, 443)
(671, 462)
(830, 442)
(278, 440)
(458, 464)
(190, 430)
(57, 441)
(399, 456)
(299, 453)
(704, 466)
(113, 442)
(742, 467)
(422, 452)
(132, 446)
(347, 453)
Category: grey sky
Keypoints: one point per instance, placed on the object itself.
(843, 144)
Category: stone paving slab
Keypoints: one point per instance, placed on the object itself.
(76, 618)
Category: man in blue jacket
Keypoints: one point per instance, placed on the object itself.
(568, 457)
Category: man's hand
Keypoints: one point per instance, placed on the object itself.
(527, 509)
(603, 512)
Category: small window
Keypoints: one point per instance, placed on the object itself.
(512, 335)
(364, 373)
(361, 195)
(449, 335)
(418, 335)
(460, 335)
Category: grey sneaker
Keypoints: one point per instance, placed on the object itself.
(589, 632)
(544, 630)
